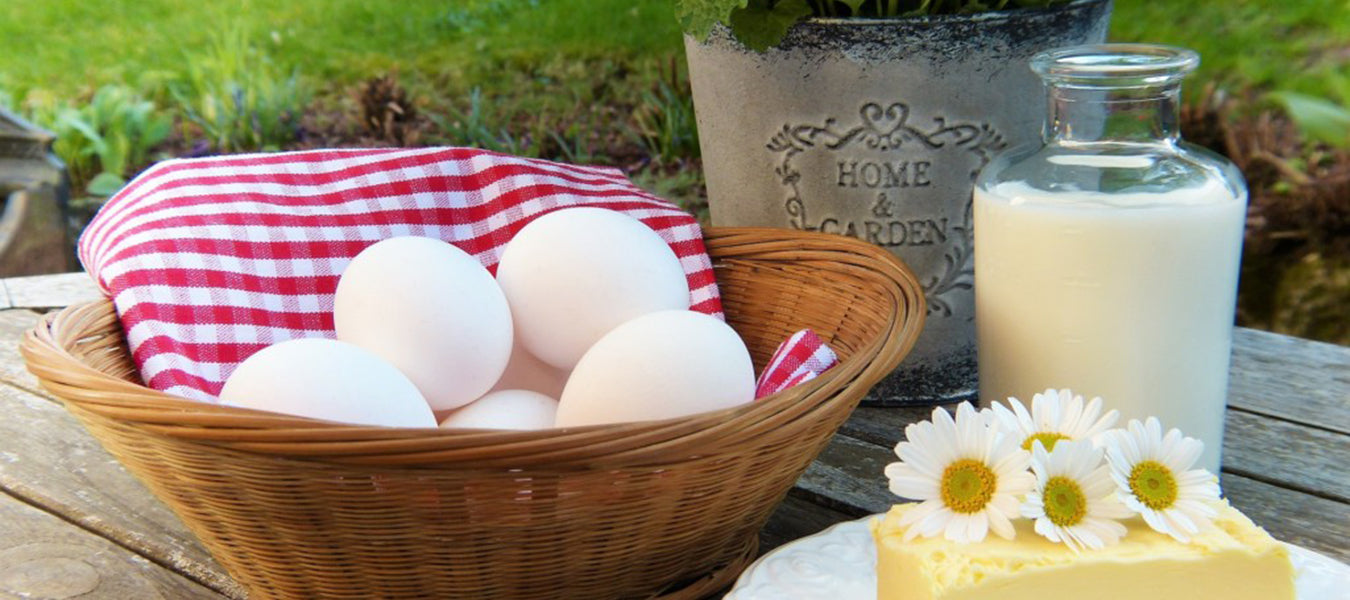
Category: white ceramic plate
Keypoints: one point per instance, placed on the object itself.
(840, 564)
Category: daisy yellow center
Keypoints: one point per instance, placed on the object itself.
(1047, 438)
(1065, 504)
(967, 486)
(1153, 484)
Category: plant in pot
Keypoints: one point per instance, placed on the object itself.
(871, 118)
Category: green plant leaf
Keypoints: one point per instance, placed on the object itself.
(697, 17)
(105, 184)
(71, 121)
(1320, 119)
(763, 23)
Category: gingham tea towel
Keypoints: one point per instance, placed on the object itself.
(799, 359)
(210, 260)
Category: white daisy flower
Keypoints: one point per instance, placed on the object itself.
(1055, 415)
(1074, 501)
(1154, 478)
(966, 473)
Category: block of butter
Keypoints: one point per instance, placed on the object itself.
(1236, 560)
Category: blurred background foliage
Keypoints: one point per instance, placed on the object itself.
(127, 82)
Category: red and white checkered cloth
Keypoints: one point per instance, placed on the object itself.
(799, 359)
(210, 260)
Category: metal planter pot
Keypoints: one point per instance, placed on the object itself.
(876, 128)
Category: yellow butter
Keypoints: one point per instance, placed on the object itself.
(1236, 560)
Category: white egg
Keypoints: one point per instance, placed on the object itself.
(658, 366)
(573, 275)
(329, 380)
(431, 310)
(506, 409)
(526, 372)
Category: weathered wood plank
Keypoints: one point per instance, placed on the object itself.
(50, 461)
(1314, 523)
(42, 556)
(1287, 455)
(13, 324)
(1291, 378)
(883, 426)
(50, 291)
(796, 518)
(848, 477)
(1288, 378)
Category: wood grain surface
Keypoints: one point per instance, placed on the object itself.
(49, 291)
(48, 460)
(1292, 379)
(13, 324)
(42, 556)
(1309, 521)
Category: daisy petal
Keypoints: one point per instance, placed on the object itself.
(1098, 483)
(1131, 445)
(1047, 530)
(1182, 519)
(915, 488)
(1170, 443)
(1132, 503)
(918, 513)
(1103, 423)
(1033, 508)
(1071, 416)
(936, 522)
(1005, 419)
(898, 469)
(1024, 419)
(1109, 508)
(1001, 526)
(970, 444)
(956, 529)
(1183, 456)
(1045, 410)
(1195, 477)
(1196, 509)
(918, 459)
(1156, 521)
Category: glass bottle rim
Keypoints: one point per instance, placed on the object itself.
(1115, 65)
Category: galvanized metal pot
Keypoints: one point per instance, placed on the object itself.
(876, 128)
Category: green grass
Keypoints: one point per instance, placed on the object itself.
(71, 46)
(1295, 45)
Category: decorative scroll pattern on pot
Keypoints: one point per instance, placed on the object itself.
(880, 181)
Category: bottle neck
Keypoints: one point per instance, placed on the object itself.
(1136, 115)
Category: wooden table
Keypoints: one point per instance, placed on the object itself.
(73, 523)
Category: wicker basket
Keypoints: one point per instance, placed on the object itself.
(296, 508)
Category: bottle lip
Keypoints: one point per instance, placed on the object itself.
(1115, 65)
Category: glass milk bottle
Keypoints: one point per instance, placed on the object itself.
(1106, 260)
